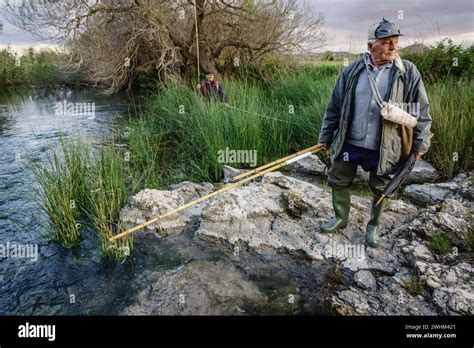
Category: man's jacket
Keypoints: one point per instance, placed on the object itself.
(406, 87)
(214, 89)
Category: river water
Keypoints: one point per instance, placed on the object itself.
(79, 281)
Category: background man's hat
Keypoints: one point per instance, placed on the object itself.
(383, 29)
(209, 71)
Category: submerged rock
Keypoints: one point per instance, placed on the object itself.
(199, 288)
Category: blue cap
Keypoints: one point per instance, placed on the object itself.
(383, 29)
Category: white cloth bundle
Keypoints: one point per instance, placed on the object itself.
(395, 114)
(389, 111)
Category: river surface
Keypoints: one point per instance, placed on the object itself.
(79, 280)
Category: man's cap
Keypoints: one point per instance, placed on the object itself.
(383, 29)
(209, 71)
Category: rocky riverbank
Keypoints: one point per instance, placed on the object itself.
(272, 224)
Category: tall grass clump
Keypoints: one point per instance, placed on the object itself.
(440, 244)
(199, 129)
(306, 94)
(81, 186)
(447, 70)
(451, 107)
(146, 162)
(108, 193)
(63, 190)
(189, 132)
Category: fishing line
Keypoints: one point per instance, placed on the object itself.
(271, 118)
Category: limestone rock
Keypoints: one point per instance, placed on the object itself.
(450, 218)
(230, 172)
(460, 188)
(430, 194)
(452, 286)
(148, 204)
(310, 164)
(361, 175)
(365, 280)
(281, 214)
(454, 300)
(422, 172)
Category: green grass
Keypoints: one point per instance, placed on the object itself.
(452, 110)
(440, 244)
(178, 136)
(79, 186)
(275, 119)
(415, 286)
(107, 193)
(181, 133)
(444, 60)
(63, 190)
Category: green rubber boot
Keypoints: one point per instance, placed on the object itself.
(373, 229)
(341, 202)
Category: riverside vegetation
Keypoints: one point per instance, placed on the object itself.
(177, 136)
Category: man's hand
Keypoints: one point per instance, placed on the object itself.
(418, 155)
(327, 146)
(226, 105)
(198, 87)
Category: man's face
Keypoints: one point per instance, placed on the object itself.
(210, 77)
(384, 50)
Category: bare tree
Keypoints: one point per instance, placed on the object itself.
(113, 41)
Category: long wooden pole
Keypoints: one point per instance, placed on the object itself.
(212, 194)
(250, 172)
(197, 40)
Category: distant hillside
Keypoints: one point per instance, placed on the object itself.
(415, 48)
(328, 55)
(340, 55)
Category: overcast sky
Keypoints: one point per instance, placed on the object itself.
(347, 22)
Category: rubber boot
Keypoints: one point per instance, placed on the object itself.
(341, 202)
(373, 229)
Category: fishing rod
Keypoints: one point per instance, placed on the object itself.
(197, 40)
(260, 171)
(289, 157)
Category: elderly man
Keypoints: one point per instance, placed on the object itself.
(357, 134)
(210, 87)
